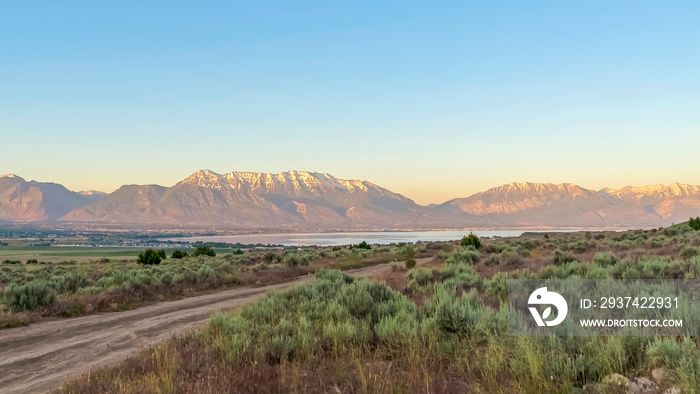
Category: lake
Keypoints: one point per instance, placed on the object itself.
(335, 239)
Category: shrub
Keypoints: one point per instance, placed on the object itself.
(12, 262)
(28, 297)
(694, 223)
(471, 240)
(149, 257)
(71, 282)
(32, 261)
(410, 257)
(463, 255)
(688, 252)
(294, 259)
(361, 245)
(561, 257)
(204, 251)
(178, 254)
(605, 259)
(271, 258)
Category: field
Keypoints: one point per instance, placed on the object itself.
(59, 254)
(66, 282)
(436, 328)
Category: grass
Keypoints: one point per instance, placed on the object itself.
(439, 329)
(35, 289)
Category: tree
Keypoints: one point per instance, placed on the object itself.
(178, 254)
(410, 257)
(161, 254)
(204, 251)
(471, 240)
(361, 245)
(694, 223)
(148, 257)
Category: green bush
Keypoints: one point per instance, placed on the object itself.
(410, 257)
(694, 223)
(604, 259)
(149, 257)
(688, 252)
(178, 254)
(561, 257)
(361, 245)
(204, 251)
(294, 259)
(28, 297)
(463, 255)
(471, 240)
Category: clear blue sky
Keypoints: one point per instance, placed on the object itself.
(433, 100)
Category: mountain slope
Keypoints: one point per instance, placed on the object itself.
(35, 201)
(312, 200)
(245, 199)
(569, 205)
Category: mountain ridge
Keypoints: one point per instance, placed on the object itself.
(306, 199)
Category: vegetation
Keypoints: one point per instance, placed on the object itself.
(178, 254)
(361, 245)
(471, 240)
(438, 328)
(70, 288)
(410, 257)
(694, 223)
(204, 251)
(150, 257)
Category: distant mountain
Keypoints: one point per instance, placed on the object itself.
(92, 195)
(246, 199)
(312, 200)
(35, 201)
(569, 205)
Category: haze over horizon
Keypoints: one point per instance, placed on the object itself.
(430, 102)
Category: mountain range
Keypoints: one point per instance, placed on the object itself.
(311, 200)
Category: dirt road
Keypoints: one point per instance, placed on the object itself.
(41, 356)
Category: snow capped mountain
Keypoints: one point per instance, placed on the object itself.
(569, 205)
(246, 199)
(675, 202)
(314, 200)
(298, 182)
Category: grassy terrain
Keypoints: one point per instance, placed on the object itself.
(441, 328)
(36, 289)
(52, 254)
(56, 254)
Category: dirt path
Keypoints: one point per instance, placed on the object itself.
(41, 356)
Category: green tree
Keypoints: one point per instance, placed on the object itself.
(471, 240)
(694, 223)
(204, 251)
(178, 254)
(161, 254)
(361, 245)
(149, 257)
(410, 257)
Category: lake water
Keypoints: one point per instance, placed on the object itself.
(333, 239)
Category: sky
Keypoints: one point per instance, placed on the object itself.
(433, 100)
